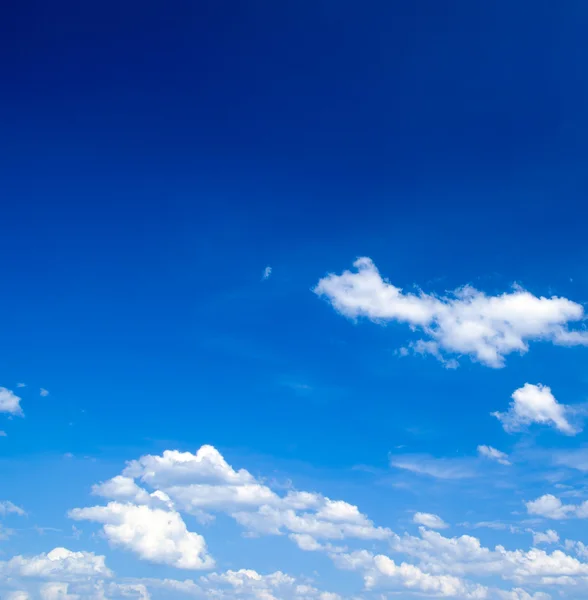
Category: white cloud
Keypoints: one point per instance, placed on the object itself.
(381, 572)
(245, 584)
(3, 433)
(466, 321)
(56, 591)
(7, 507)
(21, 385)
(494, 454)
(429, 520)
(204, 481)
(545, 537)
(17, 595)
(58, 563)
(267, 272)
(535, 404)
(440, 468)
(121, 488)
(10, 402)
(43, 392)
(552, 508)
(153, 534)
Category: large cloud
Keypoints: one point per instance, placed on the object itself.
(465, 322)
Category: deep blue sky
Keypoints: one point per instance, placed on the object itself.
(156, 157)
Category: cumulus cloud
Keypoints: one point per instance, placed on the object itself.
(429, 520)
(464, 555)
(545, 537)
(465, 322)
(535, 404)
(493, 454)
(381, 572)
(43, 392)
(10, 402)
(550, 507)
(157, 535)
(59, 563)
(267, 272)
(205, 483)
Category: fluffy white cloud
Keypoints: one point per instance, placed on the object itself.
(464, 555)
(59, 563)
(205, 483)
(267, 272)
(552, 508)
(56, 591)
(380, 571)
(8, 507)
(535, 404)
(429, 520)
(494, 454)
(467, 321)
(154, 534)
(545, 537)
(10, 402)
(246, 584)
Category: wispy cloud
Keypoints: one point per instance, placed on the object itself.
(440, 468)
(43, 392)
(266, 273)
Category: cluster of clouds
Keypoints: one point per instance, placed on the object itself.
(145, 504)
(65, 575)
(464, 322)
(143, 509)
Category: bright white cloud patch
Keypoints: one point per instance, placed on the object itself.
(535, 404)
(59, 563)
(156, 535)
(204, 483)
(10, 402)
(466, 321)
(429, 520)
(267, 272)
(43, 392)
(550, 507)
(493, 454)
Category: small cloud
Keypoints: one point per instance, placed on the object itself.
(439, 468)
(21, 385)
(535, 404)
(266, 273)
(44, 392)
(3, 434)
(68, 455)
(429, 520)
(7, 507)
(10, 402)
(548, 537)
(44, 530)
(493, 454)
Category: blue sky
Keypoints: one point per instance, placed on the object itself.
(293, 301)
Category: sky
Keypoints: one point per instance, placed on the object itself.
(293, 300)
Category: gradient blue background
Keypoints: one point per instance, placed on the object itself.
(155, 158)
